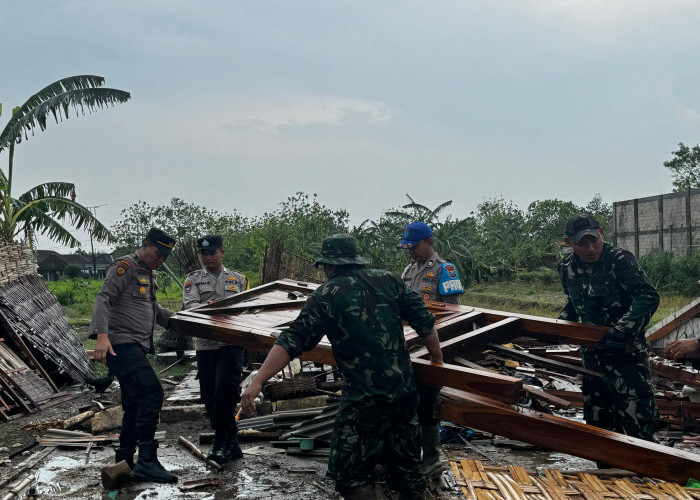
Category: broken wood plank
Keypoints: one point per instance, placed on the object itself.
(675, 371)
(682, 316)
(550, 364)
(567, 436)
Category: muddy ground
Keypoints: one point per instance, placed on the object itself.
(263, 474)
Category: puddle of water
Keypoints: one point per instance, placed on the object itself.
(50, 478)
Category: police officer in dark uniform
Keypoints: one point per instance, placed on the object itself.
(123, 320)
(435, 280)
(605, 287)
(219, 365)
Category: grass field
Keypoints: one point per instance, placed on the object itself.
(544, 300)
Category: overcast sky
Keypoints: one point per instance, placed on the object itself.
(239, 104)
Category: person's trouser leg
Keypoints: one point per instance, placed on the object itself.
(369, 430)
(429, 429)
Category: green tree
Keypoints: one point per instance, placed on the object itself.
(685, 167)
(182, 220)
(601, 211)
(45, 207)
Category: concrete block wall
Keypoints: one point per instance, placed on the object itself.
(669, 222)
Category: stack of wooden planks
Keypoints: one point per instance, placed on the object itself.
(515, 483)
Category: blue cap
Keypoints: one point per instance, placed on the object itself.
(413, 233)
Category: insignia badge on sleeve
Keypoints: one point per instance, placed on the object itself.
(449, 280)
(188, 286)
(121, 270)
(426, 296)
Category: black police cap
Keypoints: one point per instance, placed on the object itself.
(162, 241)
(210, 242)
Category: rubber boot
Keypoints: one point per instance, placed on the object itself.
(124, 454)
(430, 442)
(366, 492)
(148, 468)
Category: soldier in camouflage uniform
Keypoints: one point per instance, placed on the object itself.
(605, 287)
(361, 313)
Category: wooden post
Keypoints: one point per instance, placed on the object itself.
(115, 475)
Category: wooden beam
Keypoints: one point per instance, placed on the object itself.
(227, 330)
(550, 364)
(559, 434)
(675, 371)
(501, 387)
(471, 344)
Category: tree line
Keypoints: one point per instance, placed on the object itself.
(497, 241)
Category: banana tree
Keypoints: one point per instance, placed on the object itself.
(44, 208)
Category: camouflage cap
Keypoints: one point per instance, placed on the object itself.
(581, 225)
(339, 250)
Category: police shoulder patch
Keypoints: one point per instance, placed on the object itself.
(121, 270)
(449, 280)
(188, 286)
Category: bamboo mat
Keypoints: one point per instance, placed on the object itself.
(515, 483)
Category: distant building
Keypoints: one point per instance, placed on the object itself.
(52, 264)
(667, 222)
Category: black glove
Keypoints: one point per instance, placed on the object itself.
(614, 341)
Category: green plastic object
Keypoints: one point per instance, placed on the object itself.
(113, 494)
(692, 483)
(306, 444)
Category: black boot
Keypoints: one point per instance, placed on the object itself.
(124, 454)
(216, 453)
(148, 468)
(232, 450)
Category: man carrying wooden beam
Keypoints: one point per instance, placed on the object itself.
(361, 312)
(605, 286)
(436, 280)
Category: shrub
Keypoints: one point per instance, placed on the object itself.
(672, 274)
(72, 271)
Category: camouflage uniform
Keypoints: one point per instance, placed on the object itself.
(614, 292)
(361, 312)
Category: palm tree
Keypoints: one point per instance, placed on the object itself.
(43, 208)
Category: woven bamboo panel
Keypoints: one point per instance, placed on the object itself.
(34, 314)
(515, 483)
(26, 383)
(16, 260)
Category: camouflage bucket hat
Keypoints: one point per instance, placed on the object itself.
(339, 250)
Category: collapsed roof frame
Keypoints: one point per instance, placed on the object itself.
(470, 397)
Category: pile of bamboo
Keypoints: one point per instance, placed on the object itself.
(515, 483)
(16, 260)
